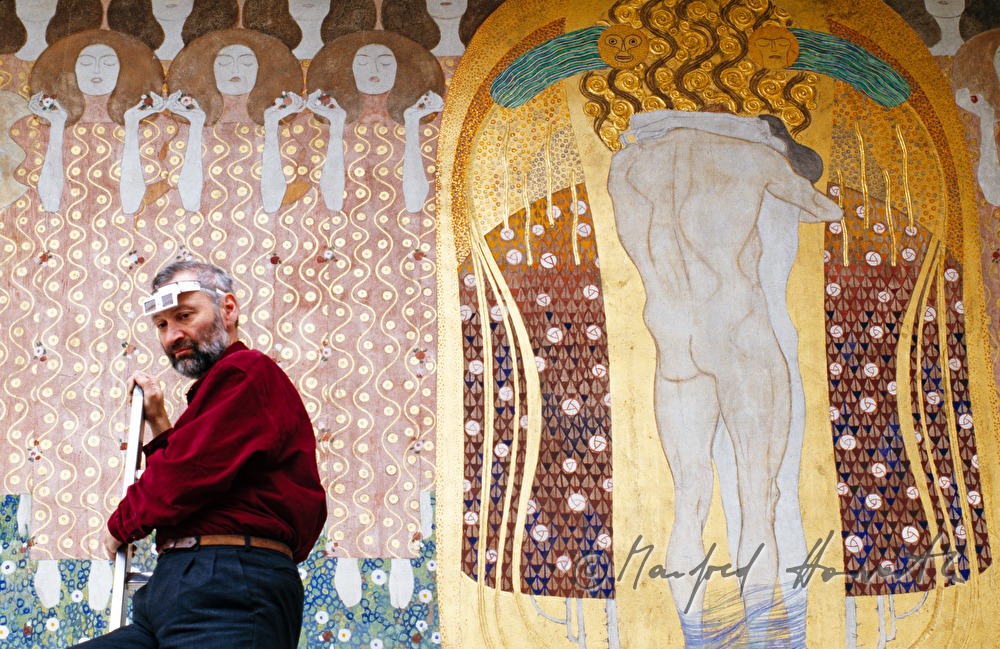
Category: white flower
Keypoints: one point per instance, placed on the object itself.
(421, 626)
(302, 573)
(322, 617)
(436, 637)
(343, 635)
(77, 595)
(376, 644)
(425, 596)
(4, 632)
(432, 565)
(51, 624)
(7, 567)
(378, 577)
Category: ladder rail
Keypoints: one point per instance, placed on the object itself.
(123, 559)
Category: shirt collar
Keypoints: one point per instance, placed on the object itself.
(237, 346)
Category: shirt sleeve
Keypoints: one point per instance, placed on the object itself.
(199, 458)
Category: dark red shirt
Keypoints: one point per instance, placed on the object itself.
(241, 459)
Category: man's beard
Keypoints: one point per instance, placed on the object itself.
(203, 354)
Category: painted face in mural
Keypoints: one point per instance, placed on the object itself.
(622, 46)
(193, 334)
(996, 62)
(374, 69)
(945, 8)
(304, 10)
(35, 11)
(97, 70)
(773, 47)
(447, 8)
(170, 10)
(235, 70)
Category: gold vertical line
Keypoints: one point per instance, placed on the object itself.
(527, 220)
(548, 175)
(576, 217)
(906, 174)
(506, 177)
(864, 171)
(889, 221)
(845, 236)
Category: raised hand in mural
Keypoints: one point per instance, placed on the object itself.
(415, 183)
(51, 178)
(272, 180)
(331, 181)
(989, 165)
(191, 180)
(133, 182)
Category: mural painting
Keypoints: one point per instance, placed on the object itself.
(620, 323)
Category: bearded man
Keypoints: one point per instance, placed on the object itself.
(232, 488)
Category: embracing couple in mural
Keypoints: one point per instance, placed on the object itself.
(704, 109)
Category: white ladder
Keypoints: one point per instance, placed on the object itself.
(125, 579)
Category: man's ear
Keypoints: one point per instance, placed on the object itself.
(230, 310)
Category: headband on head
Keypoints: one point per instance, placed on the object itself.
(166, 296)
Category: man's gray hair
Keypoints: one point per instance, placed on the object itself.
(208, 275)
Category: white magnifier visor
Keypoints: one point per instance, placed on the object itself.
(166, 296)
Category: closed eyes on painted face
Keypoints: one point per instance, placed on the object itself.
(172, 9)
(235, 70)
(97, 70)
(303, 10)
(945, 8)
(447, 8)
(35, 10)
(374, 69)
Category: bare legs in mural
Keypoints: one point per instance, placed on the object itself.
(97, 69)
(688, 195)
(374, 69)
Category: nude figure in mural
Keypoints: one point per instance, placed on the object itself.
(692, 228)
(976, 80)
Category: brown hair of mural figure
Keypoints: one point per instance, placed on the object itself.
(979, 15)
(417, 72)
(348, 17)
(54, 73)
(410, 18)
(193, 71)
(209, 15)
(271, 17)
(13, 36)
(973, 68)
(135, 18)
(73, 16)
(475, 15)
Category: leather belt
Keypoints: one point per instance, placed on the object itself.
(189, 542)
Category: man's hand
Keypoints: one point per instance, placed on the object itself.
(153, 410)
(111, 544)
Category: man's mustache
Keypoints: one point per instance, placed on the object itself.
(182, 344)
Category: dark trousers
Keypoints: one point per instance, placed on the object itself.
(216, 598)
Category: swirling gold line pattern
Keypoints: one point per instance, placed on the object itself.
(700, 61)
(72, 286)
